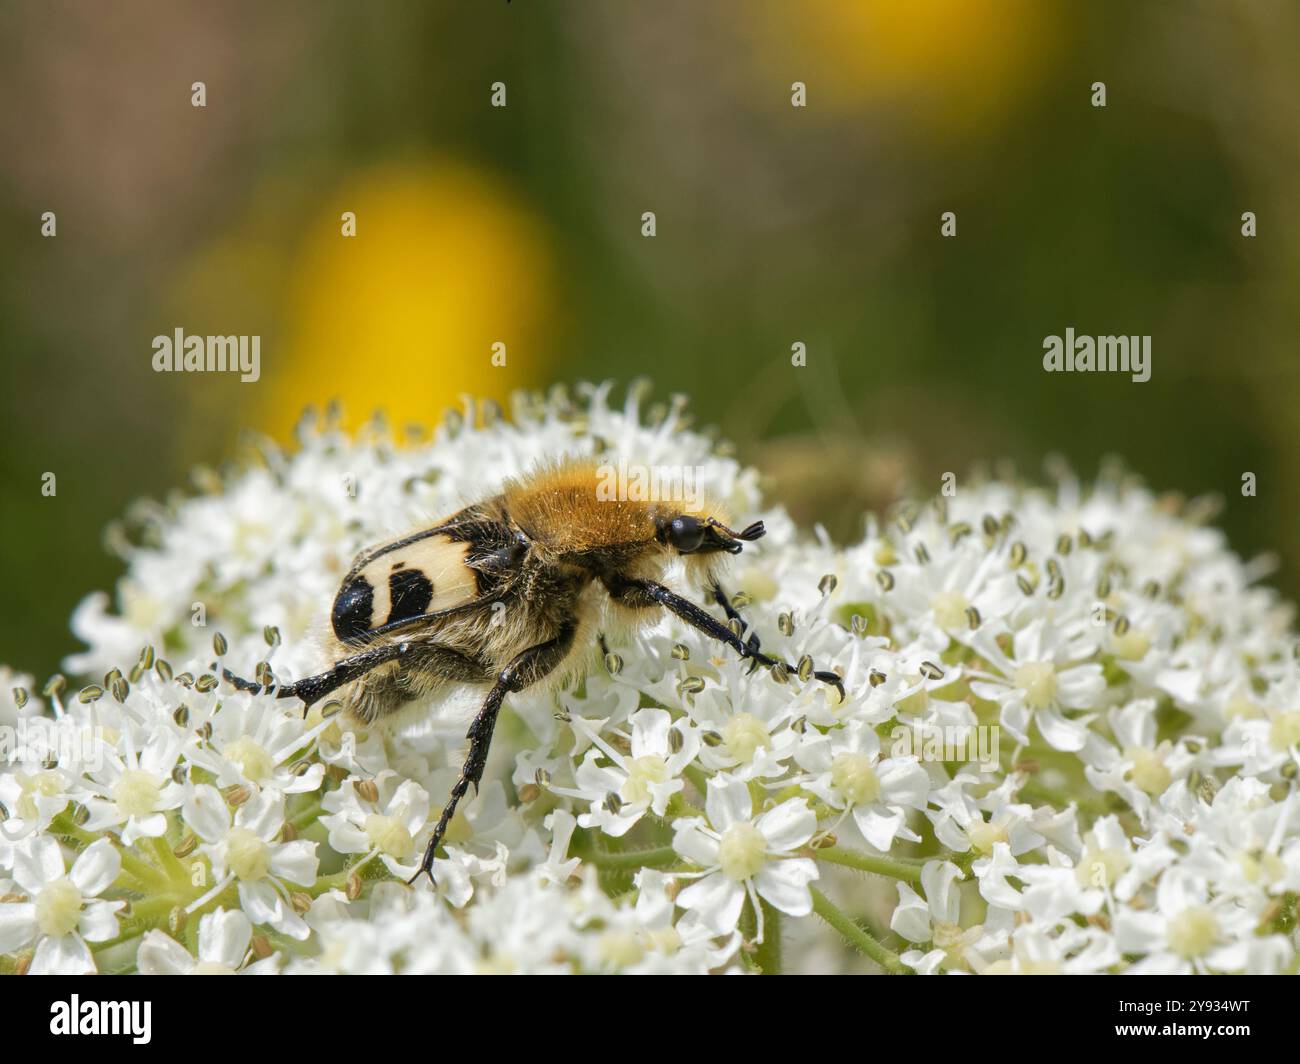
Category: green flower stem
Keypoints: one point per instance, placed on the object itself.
(339, 880)
(170, 863)
(63, 826)
(145, 872)
(864, 862)
(227, 899)
(145, 915)
(767, 956)
(306, 815)
(152, 911)
(698, 778)
(748, 928)
(1050, 756)
(856, 936)
(679, 807)
(1054, 797)
(125, 936)
(656, 857)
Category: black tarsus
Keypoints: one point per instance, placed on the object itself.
(311, 689)
(733, 614)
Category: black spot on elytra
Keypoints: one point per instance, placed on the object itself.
(411, 592)
(352, 609)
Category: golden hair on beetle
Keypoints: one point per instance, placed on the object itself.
(562, 502)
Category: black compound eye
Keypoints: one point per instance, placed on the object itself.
(686, 534)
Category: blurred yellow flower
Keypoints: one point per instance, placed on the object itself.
(403, 316)
(950, 62)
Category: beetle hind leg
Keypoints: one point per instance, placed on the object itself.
(240, 684)
(526, 669)
(311, 689)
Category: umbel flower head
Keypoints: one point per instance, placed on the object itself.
(1068, 742)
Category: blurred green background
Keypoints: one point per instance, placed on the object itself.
(522, 224)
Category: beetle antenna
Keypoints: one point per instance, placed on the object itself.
(748, 534)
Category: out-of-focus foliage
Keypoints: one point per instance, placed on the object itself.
(523, 224)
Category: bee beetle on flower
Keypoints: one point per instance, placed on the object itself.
(514, 591)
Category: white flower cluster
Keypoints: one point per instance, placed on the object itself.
(1068, 744)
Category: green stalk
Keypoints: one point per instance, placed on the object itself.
(864, 862)
(1033, 790)
(768, 954)
(856, 936)
(657, 857)
(697, 778)
(171, 864)
(306, 815)
(143, 871)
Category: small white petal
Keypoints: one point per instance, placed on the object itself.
(38, 862)
(650, 732)
(1060, 732)
(205, 811)
(295, 861)
(690, 840)
(788, 826)
(96, 867)
(261, 902)
(911, 917)
(64, 955)
(939, 881)
(160, 954)
(717, 900)
(785, 885)
(904, 782)
(728, 802)
(263, 814)
(17, 925)
(98, 922)
(879, 824)
(223, 937)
